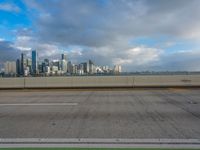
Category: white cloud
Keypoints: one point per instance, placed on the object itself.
(2, 39)
(9, 7)
(143, 55)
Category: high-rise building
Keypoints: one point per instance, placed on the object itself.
(63, 65)
(18, 67)
(91, 67)
(74, 69)
(117, 69)
(64, 57)
(23, 63)
(40, 68)
(45, 66)
(28, 66)
(10, 67)
(46, 61)
(47, 70)
(85, 67)
(81, 69)
(34, 62)
(28, 62)
(57, 63)
(69, 67)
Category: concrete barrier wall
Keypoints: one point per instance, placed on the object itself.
(167, 80)
(11, 82)
(86, 81)
(101, 81)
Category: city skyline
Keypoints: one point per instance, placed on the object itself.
(137, 34)
(34, 66)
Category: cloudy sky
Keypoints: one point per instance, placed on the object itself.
(140, 35)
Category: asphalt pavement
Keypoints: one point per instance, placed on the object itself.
(106, 114)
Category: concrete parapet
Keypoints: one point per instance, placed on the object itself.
(166, 80)
(11, 83)
(102, 81)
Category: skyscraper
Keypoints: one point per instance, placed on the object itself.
(64, 67)
(34, 62)
(10, 67)
(23, 64)
(117, 69)
(64, 57)
(18, 67)
(69, 67)
(90, 67)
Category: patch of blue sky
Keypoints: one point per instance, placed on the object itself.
(12, 20)
(6, 34)
(183, 45)
(149, 41)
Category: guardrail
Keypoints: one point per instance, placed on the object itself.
(101, 81)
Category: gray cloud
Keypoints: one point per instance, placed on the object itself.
(8, 52)
(95, 24)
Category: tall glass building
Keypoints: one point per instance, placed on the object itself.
(34, 62)
(64, 57)
(18, 67)
(22, 64)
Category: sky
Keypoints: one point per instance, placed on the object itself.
(140, 35)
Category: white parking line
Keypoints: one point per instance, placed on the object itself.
(40, 104)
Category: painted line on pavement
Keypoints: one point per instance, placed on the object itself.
(40, 104)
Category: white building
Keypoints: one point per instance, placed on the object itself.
(99, 69)
(26, 71)
(117, 69)
(48, 70)
(63, 65)
(10, 67)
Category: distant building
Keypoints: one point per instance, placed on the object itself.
(10, 67)
(91, 69)
(64, 66)
(117, 69)
(57, 63)
(40, 67)
(18, 67)
(81, 69)
(84, 67)
(27, 71)
(28, 66)
(105, 69)
(23, 64)
(43, 67)
(74, 69)
(34, 62)
(47, 70)
(54, 70)
(63, 57)
(99, 69)
(69, 67)
(46, 61)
